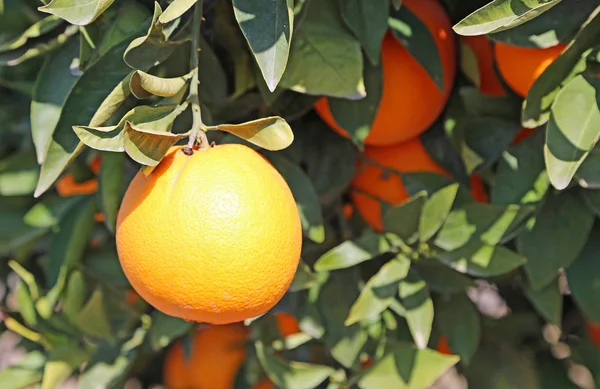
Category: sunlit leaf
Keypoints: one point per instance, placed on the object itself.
(144, 85)
(482, 260)
(175, 10)
(60, 365)
(76, 12)
(418, 308)
(403, 220)
(351, 253)
(435, 210)
(271, 133)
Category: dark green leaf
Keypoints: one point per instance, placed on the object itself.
(416, 37)
(70, 241)
(588, 174)
(130, 16)
(521, 175)
(403, 219)
(481, 260)
(111, 186)
(322, 42)
(305, 195)
(431, 183)
(291, 374)
(267, 27)
(36, 30)
(435, 211)
(500, 15)
(478, 103)
(271, 133)
(213, 85)
(52, 87)
(165, 329)
(565, 221)
(418, 308)
(458, 319)
(76, 12)
(88, 93)
(380, 291)
(368, 20)
(584, 278)
(92, 319)
(573, 129)
(548, 301)
(351, 253)
(357, 116)
(406, 367)
(441, 278)
(74, 295)
(304, 278)
(545, 88)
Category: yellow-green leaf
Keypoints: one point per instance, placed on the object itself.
(271, 133)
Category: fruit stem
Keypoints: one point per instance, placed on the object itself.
(198, 127)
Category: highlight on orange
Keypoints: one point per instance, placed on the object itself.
(218, 352)
(371, 185)
(593, 332)
(66, 186)
(484, 54)
(411, 101)
(521, 66)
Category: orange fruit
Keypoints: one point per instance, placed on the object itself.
(410, 102)
(593, 332)
(371, 184)
(131, 297)
(265, 383)
(488, 79)
(213, 237)
(217, 354)
(66, 186)
(287, 324)
(521, 66)
(522, 134)
(478, 190)
(443, 347)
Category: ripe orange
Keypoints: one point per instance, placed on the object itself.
(478, 190)
(593, 332)
(370, 181)
(213, 237)
(411, 101)
(488, 79)
(521, 66)
(66, 186)
(217, 354)
(287, 324)
(265, 383)
(443, 347)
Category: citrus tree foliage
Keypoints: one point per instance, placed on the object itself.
(119, 79)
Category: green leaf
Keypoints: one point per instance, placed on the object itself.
(416, 37)
(271, 133)
(144, 85)
(104, 264)
(563, 220)
(406, 367)
(441, 278)
(380, 291)
(92, 319)
(77, 12)
(130, 16)
(153, 48)
(50, 211)
(482, 260)
(573, 129)
(268, 28)
(570, 63)
(477, 103)
(403, 220)
(305, 195)
(521, 175)
(435, 211)
(148, 146)
(61, 363)
(500, 15)
(111, 186)
(588, 174)
(37, 47)
(583, 277)
(357, 116)
(26, 304)
(214, 84)
(431, 183)
(304, 278)
(36, 30)
(291, 374)
(175, 10)
(52, 87)
(112, 102)
(165, 329)
(458, 319)
(88, 93)
(368, 20)
(74, 295)
(418, 308)
(487, 223)
(25, 373)
(322, 42)
(18, 174)
(548, 301)
(70, 241)
(351, 253)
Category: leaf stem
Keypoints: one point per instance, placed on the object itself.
(198, 127)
